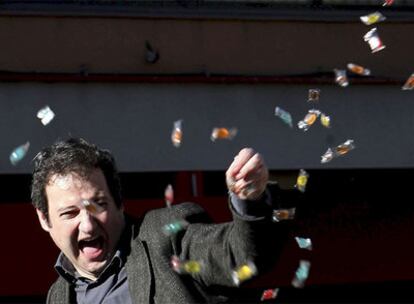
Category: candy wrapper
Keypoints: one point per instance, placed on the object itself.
(45, 115)
(269, 294)
(177, 133)
(372, 18)
(302, 274)
(174, 227)
(374, 40)
(338, 151)
(325, 120)
(190, 267)
(92, 207)
(19, 153)
(409, 84)
(341, 78)
(302, 180)
(283, 214)
(284, 115)
(309, 119)
(243, 273)
(169, 196)
(313, 95)
(223, 133)
(304, 243)
(357, 69)
(327, 156)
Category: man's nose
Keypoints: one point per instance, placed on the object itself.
(87, 222)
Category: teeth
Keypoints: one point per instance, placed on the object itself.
(88, 239)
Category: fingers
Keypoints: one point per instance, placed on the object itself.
(239, 161)
(253, 165)
(252, 186)
(247, 175)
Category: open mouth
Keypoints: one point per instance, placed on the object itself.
(92, 248)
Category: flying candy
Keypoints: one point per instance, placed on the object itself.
(19, 153)
(309, 119)
(223, 133)
(304, 243)
(302, 274)
(45, 115)
(357, 69)
(325, 121)
(341, 78)
(338, 151)
(177, 133)
(174, 227)
(313, 95)
(388, 2)
(269, 294)
(328, 156)
(92, 207)
(283, 214)
(374, 40)
(409, 84)
(284, 115)
(185, 266)
(169, 196)
(345, 147)
(243, 273)
(372, 18)
(302, 180)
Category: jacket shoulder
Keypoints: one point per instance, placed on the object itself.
(188, 211)
(155, 219)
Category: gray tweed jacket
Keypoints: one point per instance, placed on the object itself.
(220, 247)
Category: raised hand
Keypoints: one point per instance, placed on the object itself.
(247, 175)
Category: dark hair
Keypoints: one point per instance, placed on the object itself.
(74, 155)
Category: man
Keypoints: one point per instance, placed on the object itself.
(107, 258)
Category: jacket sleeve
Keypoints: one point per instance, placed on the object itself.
(222, 248)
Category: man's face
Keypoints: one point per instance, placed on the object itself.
(88, 239)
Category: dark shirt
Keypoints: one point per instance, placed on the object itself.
(112, 284)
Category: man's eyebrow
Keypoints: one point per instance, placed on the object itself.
(68, 208)
(100, 194)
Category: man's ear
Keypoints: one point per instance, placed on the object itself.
(44, 222)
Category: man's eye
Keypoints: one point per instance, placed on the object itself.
(69, 214)
(102, 204)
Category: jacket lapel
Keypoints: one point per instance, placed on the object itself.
(139, 272)
(59, 293)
